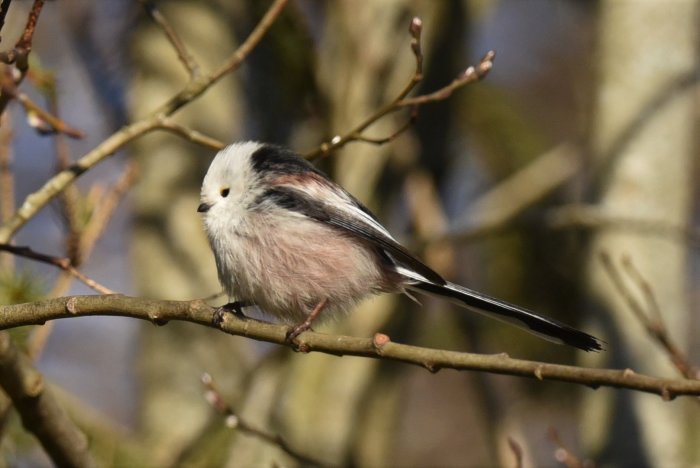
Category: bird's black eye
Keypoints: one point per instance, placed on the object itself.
(224, 192)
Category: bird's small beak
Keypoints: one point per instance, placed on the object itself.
(203, 208)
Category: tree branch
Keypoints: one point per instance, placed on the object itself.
(379, 347)
(37, 200)
(61, 262)
(183, 54)
(39, 410)
(470, 75)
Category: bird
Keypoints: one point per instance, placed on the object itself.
(289, 240)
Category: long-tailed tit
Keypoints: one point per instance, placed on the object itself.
(288, 239)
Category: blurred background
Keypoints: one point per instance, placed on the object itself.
(581, 142)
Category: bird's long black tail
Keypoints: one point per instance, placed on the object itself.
(544, 327)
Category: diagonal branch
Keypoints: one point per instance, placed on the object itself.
(183, 54)
(61, 262)
(160, 312)
(37, 200)
(650, 316)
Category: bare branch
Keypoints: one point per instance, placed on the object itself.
(37, 200)
(650, 316)
(60, 262)
(197, 86)
(105, 210)
(217, 401)
(19, 54)
(55, 125)
(470, 75)
(39, 410)
(183, 54)
(190, 134)
(378, 347)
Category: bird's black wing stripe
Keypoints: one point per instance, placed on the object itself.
(543, 326)
(272, 159)
(297, 201)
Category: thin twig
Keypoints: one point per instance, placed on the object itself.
(197, 86)
(217, 401)
(379, 347)
(470, 75)
(20, 53)
(655, 327)
(644, 286)
(61, 262)
(105, 209)
(40, 119)
(183, 54)
(189, 134)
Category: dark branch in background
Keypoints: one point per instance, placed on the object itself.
(649, 315)
(39, 410)
(217, 401)
(61, 262)
(470, 75)
(378, 347)
(183, 54)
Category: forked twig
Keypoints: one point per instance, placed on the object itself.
(470, 75)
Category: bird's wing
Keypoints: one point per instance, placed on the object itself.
(354, 219)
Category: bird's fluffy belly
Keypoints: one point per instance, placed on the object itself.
(287, 270)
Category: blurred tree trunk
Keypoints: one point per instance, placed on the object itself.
(642, 135)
